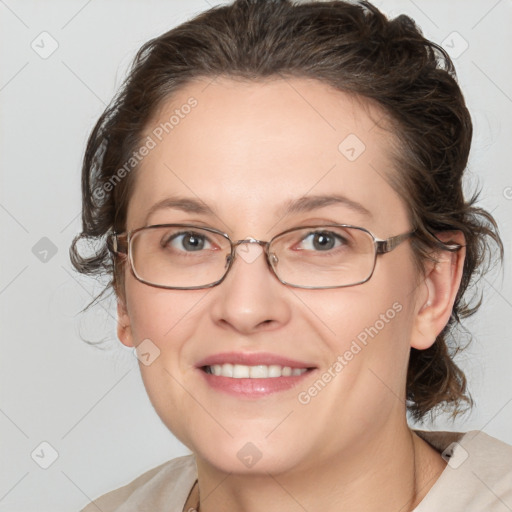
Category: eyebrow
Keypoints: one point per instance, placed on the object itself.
(301, 205)
(184, 204)
(310, 203)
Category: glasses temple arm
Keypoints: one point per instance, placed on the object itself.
(117, 243)
(388, 245)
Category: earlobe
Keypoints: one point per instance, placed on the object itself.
(439, 288)
(124, 331)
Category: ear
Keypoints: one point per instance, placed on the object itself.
(124, 330)
(437, 291)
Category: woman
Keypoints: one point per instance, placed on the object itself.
(278, 192)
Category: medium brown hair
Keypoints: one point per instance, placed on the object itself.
(355, 49)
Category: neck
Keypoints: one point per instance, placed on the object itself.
(382, 476)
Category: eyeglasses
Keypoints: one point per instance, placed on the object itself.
(188, 257)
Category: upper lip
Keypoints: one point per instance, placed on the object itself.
(252, 359)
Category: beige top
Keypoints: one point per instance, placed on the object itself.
(477, 478)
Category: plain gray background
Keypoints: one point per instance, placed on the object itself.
(90, 404)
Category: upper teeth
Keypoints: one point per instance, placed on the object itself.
(240, 371)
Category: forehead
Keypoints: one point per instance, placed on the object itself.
(254, 145)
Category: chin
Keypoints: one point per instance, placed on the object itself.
(247, 456)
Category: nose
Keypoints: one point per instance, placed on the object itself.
(250, 299)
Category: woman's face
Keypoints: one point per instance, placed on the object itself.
(243, 154)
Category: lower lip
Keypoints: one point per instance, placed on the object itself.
(253, 388)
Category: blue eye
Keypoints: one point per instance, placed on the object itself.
(321, 241)
(187, 241)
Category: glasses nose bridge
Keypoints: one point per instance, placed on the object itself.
(249, 240)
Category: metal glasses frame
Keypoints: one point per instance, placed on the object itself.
(121, 243)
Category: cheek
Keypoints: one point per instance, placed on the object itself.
(362, 333)
(159, 314)
(357, 317)
(162, 321)
(367, 329)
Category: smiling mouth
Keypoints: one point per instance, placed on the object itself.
(240, 371)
